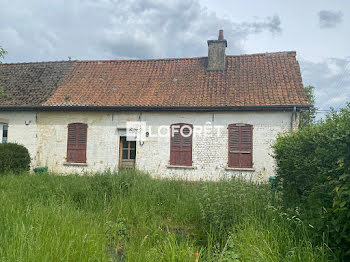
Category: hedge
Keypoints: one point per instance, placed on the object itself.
(313, 172)
(13, 158)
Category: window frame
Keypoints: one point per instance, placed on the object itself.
(2, 129)
(128, 148)
(177, 153)
(76, 153)
(240, 153)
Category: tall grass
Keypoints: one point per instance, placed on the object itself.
(131, 217)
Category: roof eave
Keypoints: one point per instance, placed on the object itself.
(158, 108)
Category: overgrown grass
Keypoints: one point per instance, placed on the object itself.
(131, 217)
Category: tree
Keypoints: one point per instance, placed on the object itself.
(308, 117)
(3, 52)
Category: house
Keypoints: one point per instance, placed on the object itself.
(192, 118)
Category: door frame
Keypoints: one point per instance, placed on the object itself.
(121, 152)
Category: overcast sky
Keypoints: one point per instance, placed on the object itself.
(319, 30)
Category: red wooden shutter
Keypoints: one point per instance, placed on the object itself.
(240, 146)
(186, 145)
(233, 146)
(175, 145)
(181, 145)
(76, 143)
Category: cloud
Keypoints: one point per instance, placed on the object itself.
(272, 24)
(329, 18)
(119, 29)
(331, 79)
(161, 29)
(111, 29)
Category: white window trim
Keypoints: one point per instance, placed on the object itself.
(1, 129)
(2, 124)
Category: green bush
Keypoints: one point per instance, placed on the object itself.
(313, 172)
(14, 158)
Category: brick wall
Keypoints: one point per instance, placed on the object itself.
(153, 154)
(22, 129)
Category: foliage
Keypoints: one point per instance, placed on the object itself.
(308, 117)
(313, 167)
(3, 52)
(129, 216)
(221, 202)
(14, 158)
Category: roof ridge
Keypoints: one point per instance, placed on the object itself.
(37, 62)
(143, 60)
(293, 53)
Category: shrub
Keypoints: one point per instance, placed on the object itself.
(14, 158)
(313, 172)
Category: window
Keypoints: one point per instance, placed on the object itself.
(3, 132)
(181, 144)
(240, 146)
(76, 143)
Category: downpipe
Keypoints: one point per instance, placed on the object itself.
(293, 117)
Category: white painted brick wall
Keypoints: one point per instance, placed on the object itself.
(19, 132)
(209, 153)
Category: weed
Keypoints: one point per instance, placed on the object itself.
(128, 216)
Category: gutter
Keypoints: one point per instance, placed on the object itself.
(157, 108)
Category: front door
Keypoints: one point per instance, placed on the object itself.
(127, 153)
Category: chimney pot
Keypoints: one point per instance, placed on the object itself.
(216, 53)
(221, 34)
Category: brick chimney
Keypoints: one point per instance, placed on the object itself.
(216, 53)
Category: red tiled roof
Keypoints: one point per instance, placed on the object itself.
(250, 80)
(269, 79)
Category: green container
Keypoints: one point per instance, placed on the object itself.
(273, 182)
(40, 169)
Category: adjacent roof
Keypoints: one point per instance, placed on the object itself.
(269, 79)
(29, 84)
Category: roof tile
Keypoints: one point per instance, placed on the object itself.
(250, 80)
(29, 84)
